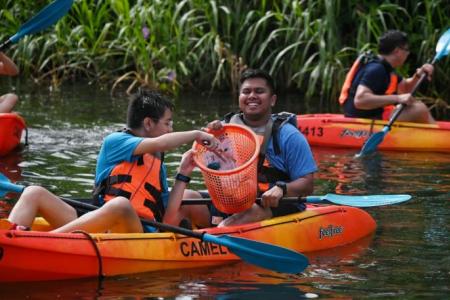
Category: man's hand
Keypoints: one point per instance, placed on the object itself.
(405, 99)
(271, 197)
(215, 125)
(425, 69)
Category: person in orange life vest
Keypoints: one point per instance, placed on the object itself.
(136, 152)
(373, 92)
(9, 68)
(288, 171)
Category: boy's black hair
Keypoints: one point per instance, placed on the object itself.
(257, 73)
(146, 104)
(390, 40)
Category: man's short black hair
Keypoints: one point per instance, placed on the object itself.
(146, 104)
(390, 40)
(257, 73)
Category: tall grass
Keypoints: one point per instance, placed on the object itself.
(306, 45)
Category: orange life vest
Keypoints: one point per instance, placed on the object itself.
(362, 60)
(140, 182)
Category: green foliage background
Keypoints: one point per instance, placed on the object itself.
(198, 44)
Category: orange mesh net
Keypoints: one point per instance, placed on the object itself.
(230, 172)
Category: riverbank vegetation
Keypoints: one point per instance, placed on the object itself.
(203, 45)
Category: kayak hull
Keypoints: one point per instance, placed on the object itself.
(36, 255)
(335, 130)
(11, 128)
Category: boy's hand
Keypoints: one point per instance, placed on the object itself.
(187, 163)
(208, 140)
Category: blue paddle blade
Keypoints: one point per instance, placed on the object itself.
(264, 255)
(372, 143)
(6, 186)
(443, 46)
(359, 201)
(45, 18)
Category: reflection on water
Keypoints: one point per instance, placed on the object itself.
(235, 281)
(407, 257)
(390, 172)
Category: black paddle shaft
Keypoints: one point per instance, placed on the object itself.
(5, 45)
(284, 200)
(414, 90)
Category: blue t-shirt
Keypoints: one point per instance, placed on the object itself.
(296, 158)
(119, 147)
(375, 76)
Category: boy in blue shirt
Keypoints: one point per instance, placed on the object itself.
(130, 176)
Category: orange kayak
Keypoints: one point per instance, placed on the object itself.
(11, 127)
(39, 255)
(335, 130)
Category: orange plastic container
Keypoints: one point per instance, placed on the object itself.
(11, 127)
(233, 187)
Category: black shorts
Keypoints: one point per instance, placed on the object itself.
(215, 215)
(82, 211)
(286, 209)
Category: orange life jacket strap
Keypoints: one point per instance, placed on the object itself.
(349, 80)
(387, 111)
(393, 84)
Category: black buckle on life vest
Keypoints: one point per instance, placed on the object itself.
(111, 180)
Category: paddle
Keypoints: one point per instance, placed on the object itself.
(357, 201)
(442, 49)
(261, 254)
(45, 18)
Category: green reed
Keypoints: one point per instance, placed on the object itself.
(306, 45)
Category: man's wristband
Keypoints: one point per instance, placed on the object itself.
(282, 185)
(182, 177)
